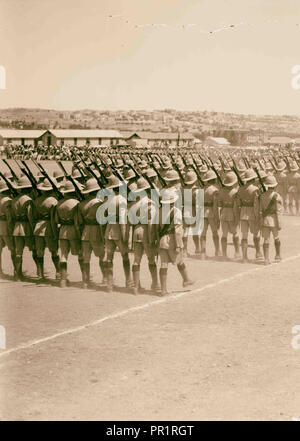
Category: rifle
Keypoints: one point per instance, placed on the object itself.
(134, 171)
(10, 169)
(260, 180)
(91, 171)
(94, 163)
(13, 190)
(161, 179)
(45, 174)
(177, 169)
(218, 176)
(240, 181)
(70, 178)
(198, 175)
(222, 163)
(27, 172)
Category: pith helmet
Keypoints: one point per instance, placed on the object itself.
(3, 187)
(270, 181)
(172, 175)
(113, 182)
(90, 186)
(45, 185)
(190, 178)
(230, 179)
(249, 174)
(68, 187)
(168, 196)
(23, 182)
(209, 176)
(142, 184)
(151, 173)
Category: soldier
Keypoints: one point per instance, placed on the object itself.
(23, 224)
(270, 208)
(190, 180)
(142, 216)
(6, 238)
(43, 233)
(211, 212)
(117, 232)
(229, 213)
(247, 197)
(63, 227)
(292, 187)
(170, 238)
(91, 233)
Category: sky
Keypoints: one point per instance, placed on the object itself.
(217, 55)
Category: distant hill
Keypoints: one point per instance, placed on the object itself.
(200, 123)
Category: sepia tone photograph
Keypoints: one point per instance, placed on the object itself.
(149, 211)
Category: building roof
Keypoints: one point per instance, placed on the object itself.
(220, 141)
(161, 135)
(26, 134)
(279, 140)
(86, 133)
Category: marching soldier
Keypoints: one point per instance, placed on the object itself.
(43, 233)
(116, 232)
(23, 224)
(6, 238)
(142, 217)
(229, 213)
(63, 227)
(292, 187)
(211, 212)
(170, 234)
(190, 181)
(270, 208)
(247, 197)
(91, 233)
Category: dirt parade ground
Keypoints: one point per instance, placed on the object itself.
(222, 350)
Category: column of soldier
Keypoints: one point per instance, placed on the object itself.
(244, 196)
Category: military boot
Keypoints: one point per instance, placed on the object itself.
(163, 273)
(236, 244)
(63, 274)
(154, 276)
(277, 248)
(186, 281)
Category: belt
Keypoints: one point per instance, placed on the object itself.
(89, 222)
(208, 204)
(21, 219)
(227, 205)
(67, 222)
(247, 204)
(3, 217)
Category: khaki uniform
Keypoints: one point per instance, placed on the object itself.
(69, 238)
(43, 233)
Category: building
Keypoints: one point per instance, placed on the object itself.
(25, 137)
(211, 141)
(160, 139)
(279, 141)
(82, 137)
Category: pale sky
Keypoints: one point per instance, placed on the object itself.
(69, 54)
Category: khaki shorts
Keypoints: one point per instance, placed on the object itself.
(42, 242)
(251, 225)
(266, 232)
(111, 245)
(141, 248)
(7, 241)
(170, 256)
(228, 227)
(66, 246)
(92, 246)
(23, 241)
